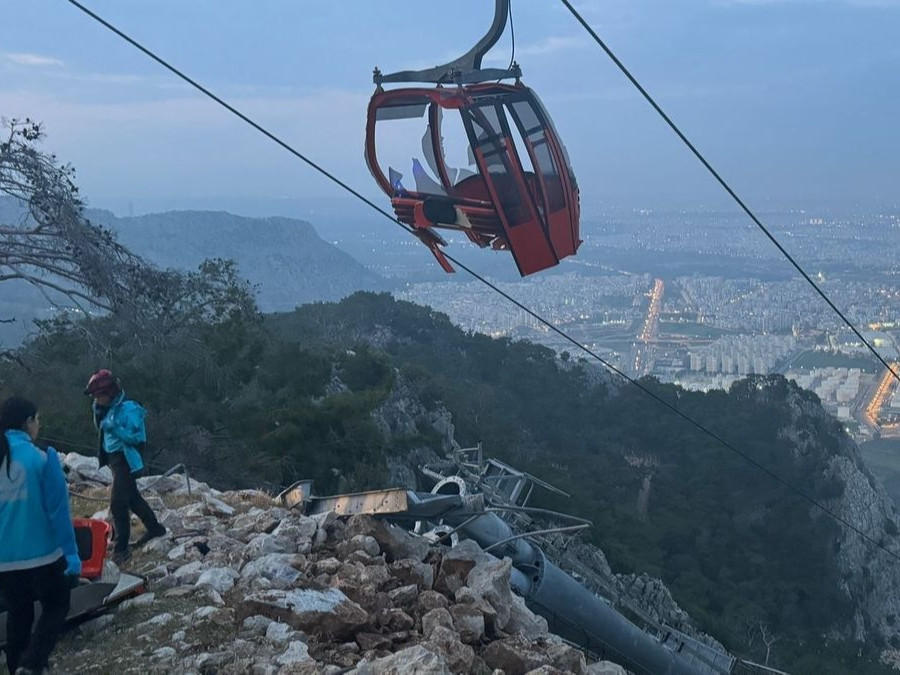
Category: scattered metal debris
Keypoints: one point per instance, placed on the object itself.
(486, 500)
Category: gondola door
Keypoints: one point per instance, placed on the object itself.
(495, 154)
(558, 193)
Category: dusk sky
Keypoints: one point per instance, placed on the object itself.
(795, 101)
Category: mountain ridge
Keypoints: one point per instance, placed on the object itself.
(285, 259)
(288, 261)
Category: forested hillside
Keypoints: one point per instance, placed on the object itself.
(263, 401)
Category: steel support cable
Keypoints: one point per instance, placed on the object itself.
(67, 443)
(178, 468)
(475, 275)
(535, 510)
(524, 535)
(715, 174)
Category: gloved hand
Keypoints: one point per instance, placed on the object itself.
(73, 566)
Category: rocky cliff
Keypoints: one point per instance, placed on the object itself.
(637, 595)
(242, 585)
(870, 576)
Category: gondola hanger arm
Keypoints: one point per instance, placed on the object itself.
(467, 68)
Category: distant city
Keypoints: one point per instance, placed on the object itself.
(703, 299)
(696, 298)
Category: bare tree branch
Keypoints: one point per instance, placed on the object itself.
(768, 637)
(77, 264)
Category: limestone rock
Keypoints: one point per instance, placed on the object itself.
(435, 618)
(190, 573)
(490, 580)
(211, 663)
(277, 568)
(567, 659)
(429, 600)
(370, 641)
(221, 616)
(456, 565)
(220, 579)
(416, 660)
(157, 621)
(327, 612)
(164, 654)
(375, 576)
(514, 655)
(468, 622)
(297, 653)
(295, 535)
(466, 596)
(411, 571)
(88, 468)
(395, 542)
(323, 520)
(244, 585)
(405, 595)
(360, 542)
(395, 619)
(522, 621)
(459, 656)
(264, 544)
(256, 624)
(139, 601)
(328, 566)
(161, 484)
(281, 633)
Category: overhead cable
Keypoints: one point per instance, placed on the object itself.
(656, 397)
(715, 174)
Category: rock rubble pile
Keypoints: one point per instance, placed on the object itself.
(242, 585)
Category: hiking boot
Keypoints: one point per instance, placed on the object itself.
(120, 557)
(157, 531)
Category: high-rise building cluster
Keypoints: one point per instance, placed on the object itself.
(741, 354)
(836, 387)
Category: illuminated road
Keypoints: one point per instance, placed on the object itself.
(643, 364)
(882, 394)
(651, 323)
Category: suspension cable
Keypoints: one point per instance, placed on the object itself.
(587, 350)
(715, 174)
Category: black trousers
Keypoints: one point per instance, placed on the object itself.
(20, 590)
(124, 499)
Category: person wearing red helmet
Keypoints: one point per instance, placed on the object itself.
(120, 424)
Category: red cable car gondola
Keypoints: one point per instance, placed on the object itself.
(518, 191)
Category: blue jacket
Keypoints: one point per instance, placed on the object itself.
(35, 523)
(122, 429)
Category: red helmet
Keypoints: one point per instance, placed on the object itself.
(102, 383)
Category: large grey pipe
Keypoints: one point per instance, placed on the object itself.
(576, 614)
(573, 612)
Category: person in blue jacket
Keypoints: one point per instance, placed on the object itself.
(120, 424)
(38, 554)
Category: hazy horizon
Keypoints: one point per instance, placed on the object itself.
(795, 101)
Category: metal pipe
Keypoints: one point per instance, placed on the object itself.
(574, 612)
